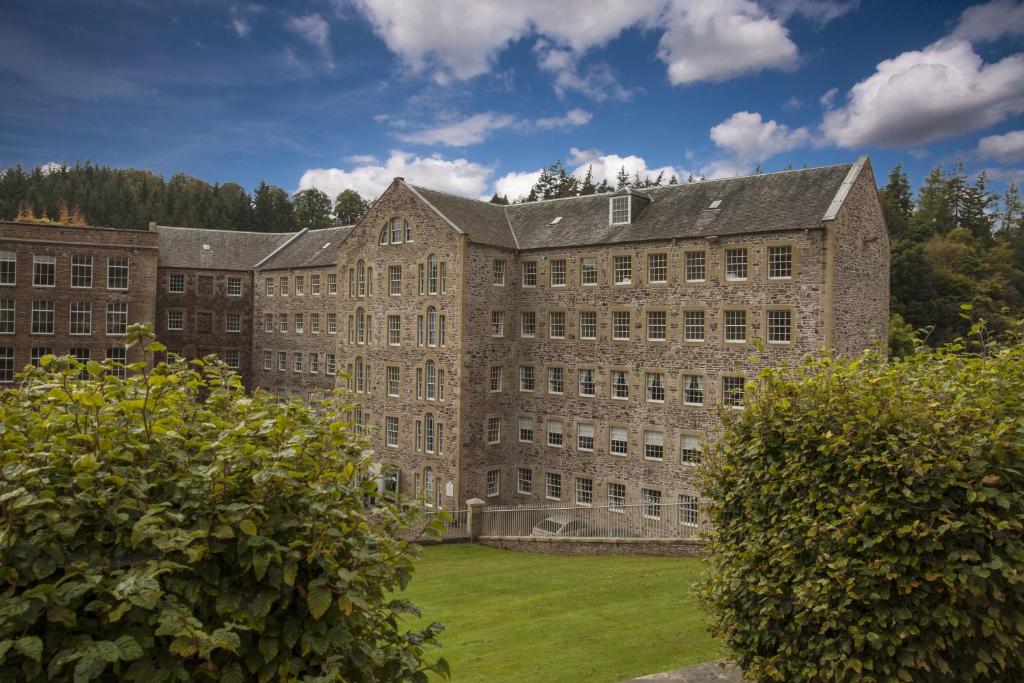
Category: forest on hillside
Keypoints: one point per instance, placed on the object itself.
(954, 240)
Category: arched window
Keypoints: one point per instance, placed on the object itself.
(384, 235)
(431, 274)
(431, 326)
(428, 423)
(359, 378)
(360, 279)
(360, 326)
(431, 381)
(397, 230)
(428, 486)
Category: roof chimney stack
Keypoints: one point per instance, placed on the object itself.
(152, 226)
(399, 178)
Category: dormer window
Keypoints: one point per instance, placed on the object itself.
(619, 210)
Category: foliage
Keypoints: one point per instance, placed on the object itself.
(312, 209)
(149, 535)
(350, 207)
(870, 519)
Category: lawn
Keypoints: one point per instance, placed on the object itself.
(527, 617)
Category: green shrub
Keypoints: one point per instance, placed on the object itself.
(148, 535)
(870, 520)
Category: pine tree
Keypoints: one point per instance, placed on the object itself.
(496, 199)
(933, 213)
(588, 187)
(622, 179)
(897, 203)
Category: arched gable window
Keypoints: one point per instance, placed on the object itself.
(360, 326)
(397, 230)
(360, 279)
(431, 326)
(431, 274)
(384, 235)
(431, 381)
(428, 424)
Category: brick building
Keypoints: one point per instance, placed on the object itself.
(577, 350)
(72, 290)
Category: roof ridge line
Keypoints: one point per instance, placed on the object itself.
(241, 232)
(280, 247)
(515, 240)
(844, 189)
(434, 208)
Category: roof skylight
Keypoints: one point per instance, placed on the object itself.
(555, 221)
(715, 204)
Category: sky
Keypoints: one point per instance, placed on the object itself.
(475, 96)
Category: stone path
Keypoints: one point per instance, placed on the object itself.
(719, 671)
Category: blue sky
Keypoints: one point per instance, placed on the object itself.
(473, 96)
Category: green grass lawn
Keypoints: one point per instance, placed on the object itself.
(527, 617)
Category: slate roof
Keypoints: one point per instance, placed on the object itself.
(224, 250)
(310, 249)
(787, 200)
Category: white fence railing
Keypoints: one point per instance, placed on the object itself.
(643, 520)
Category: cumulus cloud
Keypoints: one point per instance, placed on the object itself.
(517, 184)
(1007, 148)
(596, 81)
(474, 129)
(829, 97)
(747, 138)
(572, 118)
(315, 30)
(991, 21)
(793, 103)
(458, 176)
(241, 27)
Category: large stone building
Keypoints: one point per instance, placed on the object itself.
(570, 351)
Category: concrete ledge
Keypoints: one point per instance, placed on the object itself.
(561, 545)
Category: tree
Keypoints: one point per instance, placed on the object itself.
(502, 200)
(622, 178)
(897, 203)
(150, 534)
(272, 210)
(312, 209)
(350, 207)
(588, 187)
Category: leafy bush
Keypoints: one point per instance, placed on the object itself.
(148, 535)
(869, 520)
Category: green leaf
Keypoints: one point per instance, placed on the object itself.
(129, 648)
(107, 650)
(319, 599)
(247, 527)
(233, 673)
(31, 647)
(88, 668)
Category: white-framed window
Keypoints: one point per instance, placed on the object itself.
(652, 503)
(8, 316)
(282, 285)
(526, 378)
(524, 483)
(444, 277)
(736, 326)
(585, 437)
(330, 364)
(117, 272)
(44, 270)
(431, 382)
(394, 330)
(553, 485)
(558, 271)
(655, 387)
(268, 286)
(618, 441)
(693, 326)
(493, 430)
(495, 384)
(332, 283)
(689, 509)
(736, 264)
(499, 273)
(419, 383)
(282, 320)
(300, 323)
(300, 285)
(118, 355)
(620, 385)
(588, 271)
(780, 326)
(588, 324)
(654, 445)
(588, 382)
(556, 325)
(314, 323)
(493, 482)
(584, 491)
(81, 272)
(359, 376)
(620, 325)
(442, 327)
(526, 429)
(313, 363)
(282, 361)
(431, 326)
(232, 322)
(391, 430)
(690, 449)
(268, 322)
(394, 280)
(622, 269)
(657, 268)
(432, 274)
(37, 354)
(8, 273)
(529, 273)
(314, 285)
(42, 317)
(657, 325)
(732, 391)
(360, 326)
(618, 210)
(780, 262)
(175, 320)
(497, 323)
(393, 380)
(297, 363)
(616, 496)
(528, 325)
(268, 360)
(6, 364)
(80, 319)
(332, 323)
(695, 266)
(232, 358)
(428, 486)
(556, 438)
(693, 390)
(556, 380)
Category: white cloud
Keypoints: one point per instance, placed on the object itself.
(748, 138)
(468, 131)
(920, 96)
(829, 97)
(991, 21)
(49, 167)
(792, 104)
(241, 27)
(361, 159)
(1007, 148)
(596, 81)
(517, 184)
(822, 11)
(458, 176)
(572, 118)
(314, 30)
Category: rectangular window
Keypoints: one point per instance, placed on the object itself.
(117, 272)
(81, 317)
(394, 330)
(780, 262)
(654, 445)
(556, 380)
(300, 285)
(696, 266)
(689, 449)
(584, 491)
(282, 360)
(232, 359)
(526, 429)
(419, 383)
(588, 324)
(556, 325)
(391, 429)
(7, 316)
(6, 364)
(83, 356)
(497, 323)
(618, 441)
(444, 276)
(623, 270)
(8, 274)
(296, 362)
(37, 354)
(495, 378)
(588, 385)
(620, 384)
(558, 273)
(282, 320)
(499, 273)
(693, 326)
(656, 387)
(232, 322)
(553, 486)
(283, 285)
(732, 391)
(493, 430)
(314, 285)
(234, 286)
(314, 323)
(393, 380)
(529, 273)
(300, 323)
(555, 436)
(332, 323)
(44, 270)
(525, 483)
(526, 378)
(620, 325)
(652, 503)
(693, 390)
(493, 482)
(330, 364)
(442, 329)
(119, 356)
(735, 326)
(528, 325)
(268, 322)
(657, 325)
(735, 264)
(689, 509)
(779, 327)
(175, 320)
(81, 272)
(268, 286)
(616, 496)
(42, 317)
(588, 271)
(268, 360)
(657, 268)
(332, 283)
(395, 280)
(585, 437)
(619, 208)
